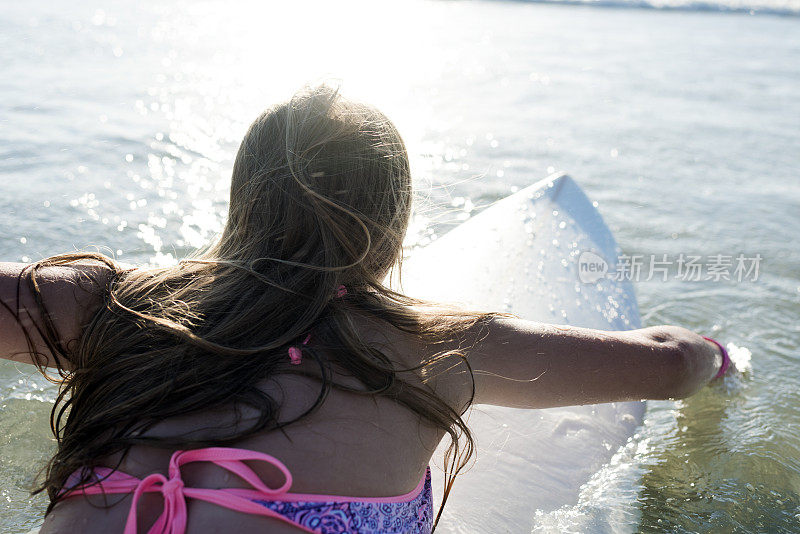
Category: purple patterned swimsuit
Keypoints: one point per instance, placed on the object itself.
(411, 513)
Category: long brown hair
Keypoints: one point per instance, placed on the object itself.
(320, 197)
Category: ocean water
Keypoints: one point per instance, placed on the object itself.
(119, 121)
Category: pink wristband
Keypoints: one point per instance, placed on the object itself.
(726, 360)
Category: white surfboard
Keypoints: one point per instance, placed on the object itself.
(522, 255)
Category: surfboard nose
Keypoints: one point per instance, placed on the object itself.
(564, 191)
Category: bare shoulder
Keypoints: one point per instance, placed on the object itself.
(440, 367)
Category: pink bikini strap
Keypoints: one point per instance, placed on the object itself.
(295, 354)
(173, 518)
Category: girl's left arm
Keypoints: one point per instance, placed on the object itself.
(40, 331)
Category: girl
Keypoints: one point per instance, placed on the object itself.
(273, 382)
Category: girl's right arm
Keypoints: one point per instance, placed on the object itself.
(527, 364)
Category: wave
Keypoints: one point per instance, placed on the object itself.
(787, 8)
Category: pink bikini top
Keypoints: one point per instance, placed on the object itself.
(412, 512)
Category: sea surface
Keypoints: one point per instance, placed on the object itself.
(681, 119)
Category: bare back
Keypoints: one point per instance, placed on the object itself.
(353, 445)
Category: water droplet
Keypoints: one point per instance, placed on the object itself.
(99, 17)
